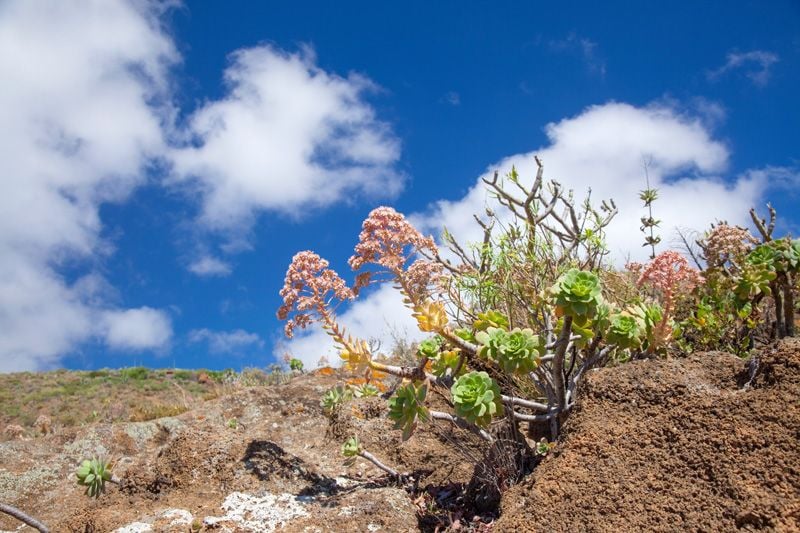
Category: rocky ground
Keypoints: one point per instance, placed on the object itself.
(709, 443)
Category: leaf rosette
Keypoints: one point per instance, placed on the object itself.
(577, 294)
(93, 474)
(350, 450)
(430, 347)
(406, 406)
(517, 351)
(431, 316)
(491, 318)
(333, 398)
(477, 398)
(625, 330)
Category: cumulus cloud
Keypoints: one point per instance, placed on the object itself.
(225, 342)
(755, 65)
(379, 315)
(87, 113)
(208, 266)
(137, 329)
(603, 149)
(82, 111)
(287, 137)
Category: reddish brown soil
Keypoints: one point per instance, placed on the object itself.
(662, 445)
(674, 445)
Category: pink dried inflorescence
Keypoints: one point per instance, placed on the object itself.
(385, 238)
(726, 244)
(310, 287)
(388, 240)
(667, 273)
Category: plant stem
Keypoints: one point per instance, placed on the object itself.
(22, 517)
(377, 462)
(463, 424)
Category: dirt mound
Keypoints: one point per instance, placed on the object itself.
(708, 443)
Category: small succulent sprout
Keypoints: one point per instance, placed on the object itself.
(406, 406)
(477, 398)
(350, 450)
(296, 364)
(334, 397)
(491, 318)
(465, 334)
(516, 351)
(625, 330)
(447, 360)
(430, 347)
(93, 474)
(366, 390)
(577, 294)
(431, 316)
(543, 447)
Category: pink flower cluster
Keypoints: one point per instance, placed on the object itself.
(668, 272)
(385, 239)
(309, 287)
(726, 243)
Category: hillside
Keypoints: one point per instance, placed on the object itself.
(703, 443)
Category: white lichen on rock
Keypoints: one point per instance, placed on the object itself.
(245, 512)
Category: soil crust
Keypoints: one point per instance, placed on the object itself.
(708, 443)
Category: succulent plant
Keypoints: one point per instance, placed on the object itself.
(577, 294)
(358, 358)
(764, 254)
(625, 330)
(296, 364)
(431, 316)
(517, 351)
(754, 280)
(491, 318)
(334, 397)
(447, 359)
(543, 447)
(93, 474)
(406, 406)
(351, 449)
(477, 398)
(366, 390)
(430, 347)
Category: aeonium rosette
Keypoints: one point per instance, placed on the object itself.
(516, 351)
(625, 330)
(477, 398)
(406, 406)
(577, 294)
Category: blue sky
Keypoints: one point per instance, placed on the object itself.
(163, 162)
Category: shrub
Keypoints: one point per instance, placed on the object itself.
(520, 318)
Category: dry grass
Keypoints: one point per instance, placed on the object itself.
(74, 398)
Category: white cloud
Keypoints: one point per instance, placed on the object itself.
(137, 329)
(755, 64)
(207, 266)
(81, 118)
(379, 315)
(223, 342)
(287, 137)
(603, 149)
(86, 109)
